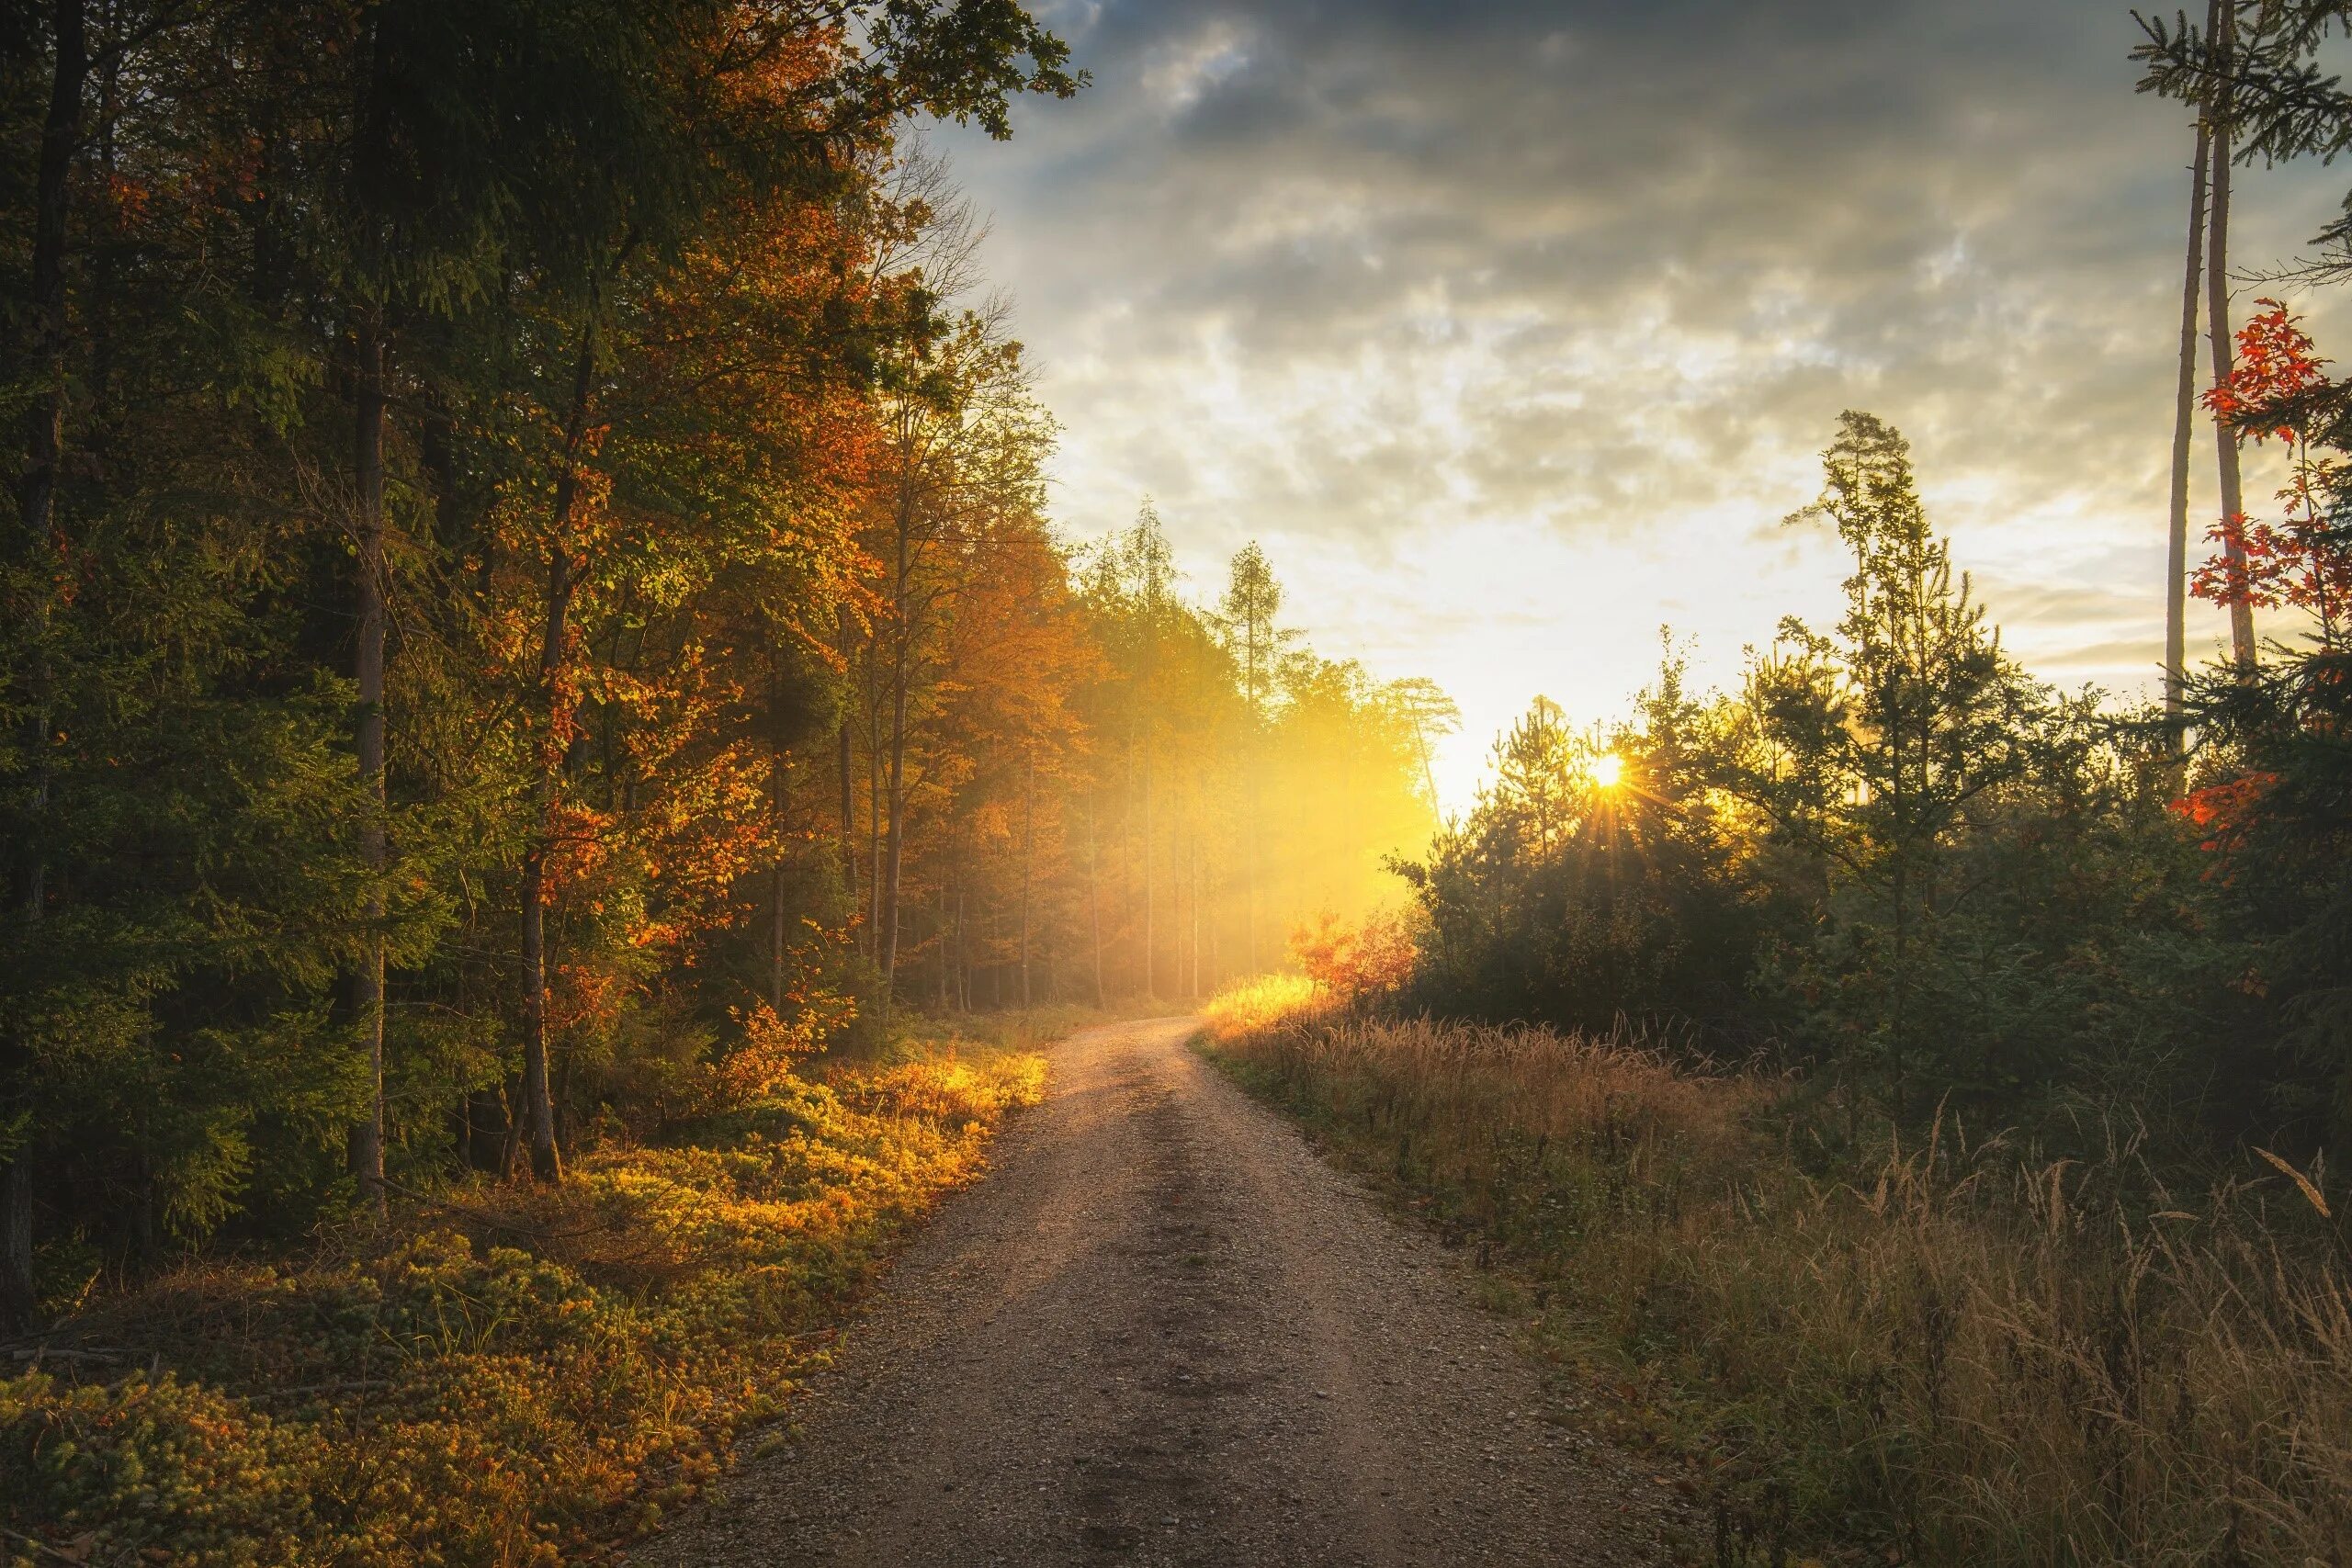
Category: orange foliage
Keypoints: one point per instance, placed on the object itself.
(2224, 808)
(2302, 560)
(1372, 958)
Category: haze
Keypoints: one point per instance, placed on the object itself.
(1514, 330)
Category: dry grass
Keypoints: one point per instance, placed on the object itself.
(1955, 1355)
(496, 1377)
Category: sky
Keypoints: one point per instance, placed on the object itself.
(1513, 332)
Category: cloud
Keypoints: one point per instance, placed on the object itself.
(1399, 280)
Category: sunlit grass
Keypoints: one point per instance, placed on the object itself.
(1262, 1003)
(498, 1377)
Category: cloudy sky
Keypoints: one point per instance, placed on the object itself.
(1514, 330)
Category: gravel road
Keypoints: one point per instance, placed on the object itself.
(1163, 1331)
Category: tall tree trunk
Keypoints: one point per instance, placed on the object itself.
(779, 760)
(37, 502)
(538, 1101)
(2223, 26)
(896, 845)
(2184, 423)
(366, 979)
(874, 796)
(1195, 991)
(1094, 899)
(1253, 756)
(1150, 988)
(941, 985)
(849, 797)
(1028, 860)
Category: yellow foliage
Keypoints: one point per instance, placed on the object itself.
(503, 1379)
(1264, 1003)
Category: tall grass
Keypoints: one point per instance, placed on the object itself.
(1946, 1354)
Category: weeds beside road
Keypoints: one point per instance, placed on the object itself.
(1950, 1354)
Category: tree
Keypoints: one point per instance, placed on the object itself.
(2221, 105)
(1246, 617)
(2184, 423)
(1928, 728)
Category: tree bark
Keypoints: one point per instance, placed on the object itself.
(779, 760)
(366, 979)
(896, 840)
(538, 1101)
(2184, 423)
(849, 796)
(2222, 24)
(1196, 990)
(1028, 860)
(1094, 900)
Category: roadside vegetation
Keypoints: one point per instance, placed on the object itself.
(1920, 1090)
(1948, 1347)
(494, 1375)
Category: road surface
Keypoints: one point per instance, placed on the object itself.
(1164, 1331)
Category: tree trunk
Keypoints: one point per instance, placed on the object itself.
(874, 798)
(849, 796)
(1028, 860)
(897, 840)
(1094, 900)
(1150, 987)
(1195, 991)
(2184, 423)
(538, 1101)
(366, 980)
(778, 761)
(2223, 22)
(37, 500)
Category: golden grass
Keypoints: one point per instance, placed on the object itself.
(1956, 1355)
(497, 1378)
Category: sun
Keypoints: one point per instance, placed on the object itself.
(1608, 769)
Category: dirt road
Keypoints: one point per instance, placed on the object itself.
(1163, 1331)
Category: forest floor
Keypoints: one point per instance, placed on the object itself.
(1164, 1331)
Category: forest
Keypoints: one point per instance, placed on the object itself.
(533, 580)
(560, 765)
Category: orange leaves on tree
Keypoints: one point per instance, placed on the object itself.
(2275, 361)
(2224, 810)
(577, 847)
(2304, 560)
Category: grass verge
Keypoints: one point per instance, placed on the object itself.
(494, 1377)
(1953, 1354)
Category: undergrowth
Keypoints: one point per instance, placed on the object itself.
(1948, 1354)
(494, 1377)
